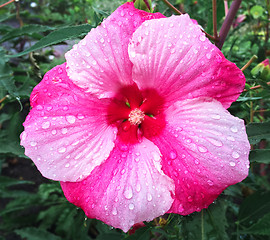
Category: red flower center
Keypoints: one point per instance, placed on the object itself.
(136, 113)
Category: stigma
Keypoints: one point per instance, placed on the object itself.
(136, 116)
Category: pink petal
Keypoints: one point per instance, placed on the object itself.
(204, 149)
(128, 188)
(100, 63)
(174, 56)
(66, 132)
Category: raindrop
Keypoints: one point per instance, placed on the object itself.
(131, 206)
(71, 119)
(65, 108)
(39, 107)
(67, 165)
(53, 132)
(235, 155)
(234, 129)
(208, 55)
(62, 149)
(171, 25)
(210, 183)
(156, 156)
(197, 162)
(114, 211)
(190, 199)
(215, 142)
(202, 149)
(230, 138)
(33, 143)
(102, 40)
(173, 155)
(202, 38)
(80, 116)
(138, 187)
(232, 164)
(64, 130)
(128, 193)
(149, 197)
(123, 148)
(215, 116)
(180, 208)
(45, 125)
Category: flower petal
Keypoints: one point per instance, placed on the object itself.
(66, 132)
(174, 56)
(128, 188)
(100, 63)
(204, 149)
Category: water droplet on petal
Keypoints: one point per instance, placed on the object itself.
(230, 138)
(67, 165)
(114, 211)
(210, 183)
(234, 129)
(23, 135)
(45, 125)
(64, 130)
(53, 132)
(80, 116)
(33, 143)
(235, 155)
(202, 149)
(232, 164)
(215, 142)
(62, 149)
(202, 38)
(71, 119)
(173, 155)
(131, 206)
(190, 199)
(138, 187)
(180, 208)
(208, 55)
(215, 116)
(128, 192)
(149, 197)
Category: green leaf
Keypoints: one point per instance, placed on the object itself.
(57, 36)
(261, 227)
(254, 207)
(7, 182)
(260, 156)
(110, 236)
(258, 131)
(257, 11)
(32, 233)
(25, 30)
(6, 75)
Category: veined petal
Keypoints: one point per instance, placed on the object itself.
(100, 63)
(128, 188)
(204, 150)
(66, 132)
(174, 56)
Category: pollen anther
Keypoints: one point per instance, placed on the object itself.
(136, 116)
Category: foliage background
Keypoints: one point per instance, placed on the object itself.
(34, 36)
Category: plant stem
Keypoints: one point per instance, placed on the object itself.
(256, 87)
(7, 3)
(228, 22)
(254, 57)
(214, 6)
(172, 7)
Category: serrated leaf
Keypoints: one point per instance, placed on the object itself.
(260, 156)
(261, 227)
(36, 234)
(57, 36)
(254, 207)
(25, 30)
(258, 131)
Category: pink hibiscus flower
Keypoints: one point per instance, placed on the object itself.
(135, 125)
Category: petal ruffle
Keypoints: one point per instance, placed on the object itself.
(100, 63)
(174, 56)
(66, 132)
(128, 188)
(204, 149)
